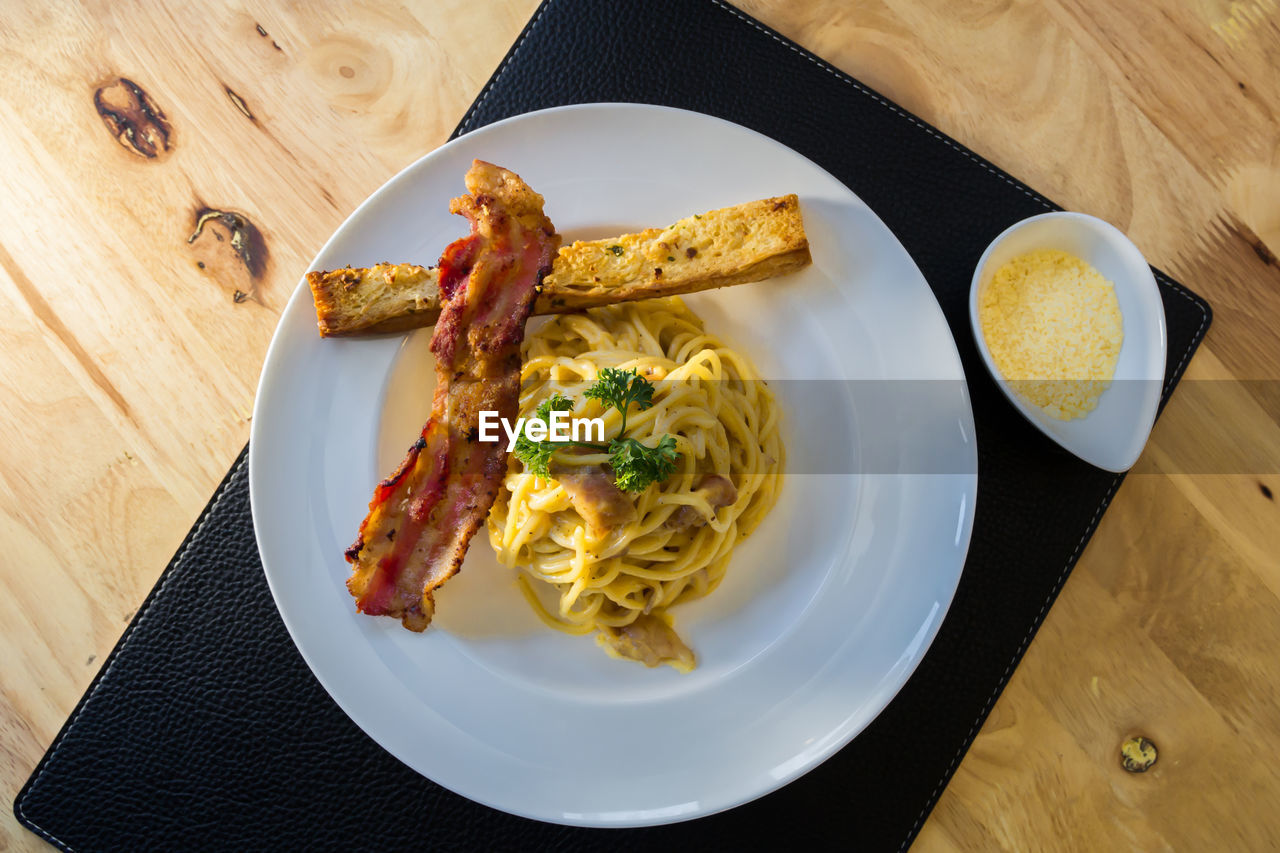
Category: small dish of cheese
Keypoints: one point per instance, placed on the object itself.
(1054, 329)
(1067, 317)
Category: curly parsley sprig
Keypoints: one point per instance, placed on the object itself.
(635, 465)
(536, 455)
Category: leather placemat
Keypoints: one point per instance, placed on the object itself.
(204, 726)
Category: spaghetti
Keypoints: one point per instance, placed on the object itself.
(613, 562)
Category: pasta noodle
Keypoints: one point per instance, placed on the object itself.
(619, 580)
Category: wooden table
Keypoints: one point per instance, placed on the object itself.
(131, 351)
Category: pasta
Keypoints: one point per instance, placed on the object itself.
(616, 562)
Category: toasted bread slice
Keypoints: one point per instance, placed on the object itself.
(733, 245)
(380, 298)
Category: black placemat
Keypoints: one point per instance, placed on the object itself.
(205, 728)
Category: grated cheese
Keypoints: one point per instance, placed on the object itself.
(1053, 326)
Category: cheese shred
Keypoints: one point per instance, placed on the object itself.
(1053, 326)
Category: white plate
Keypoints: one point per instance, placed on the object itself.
(826, 610)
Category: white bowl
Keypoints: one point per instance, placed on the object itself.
(1113, 434)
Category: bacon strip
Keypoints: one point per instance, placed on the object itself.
(423, 516)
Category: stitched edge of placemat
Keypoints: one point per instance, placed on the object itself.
(464, 127)
(241, 463)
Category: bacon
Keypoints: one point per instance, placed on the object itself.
(421, 518)
(594, 493)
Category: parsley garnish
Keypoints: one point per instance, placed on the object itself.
(619, 389)
(615, 248)
(536, 455)
(635, 465)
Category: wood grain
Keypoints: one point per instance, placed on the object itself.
(128, 388)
